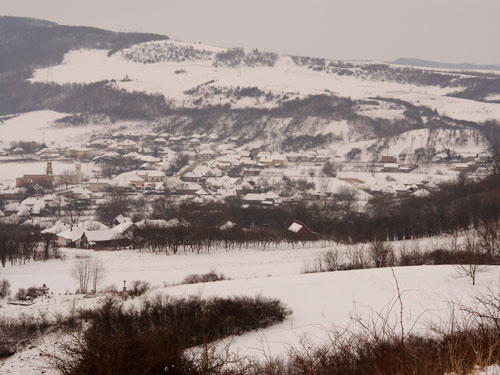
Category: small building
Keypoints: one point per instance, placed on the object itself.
(391, 168)
(388, 159)
(127, 145)
(79, 153)
(99, 185)
(73, 237)
(299, 227)
(151, 175)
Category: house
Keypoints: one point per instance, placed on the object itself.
(459, 167)
(151, 175)
(120, 219)
(391, 168)
(388, 159)
(81, 238)
(104, 238)
(127, 145)
(54, 230)
(293, 157)
(73, 237)
(299, 227)
(79, 153)
(228, 225)
(407, 168)
(262, 198)
(98, 185)
(250, 172)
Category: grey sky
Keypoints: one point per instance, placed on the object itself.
(442, 30)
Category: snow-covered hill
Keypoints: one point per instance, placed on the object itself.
(194, 75)
(391, 109)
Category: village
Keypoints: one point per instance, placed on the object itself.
(199, 169)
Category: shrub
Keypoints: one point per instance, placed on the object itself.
(382, 254)
(138, 288)
(210, 276)
(151, 338)
(21, 293)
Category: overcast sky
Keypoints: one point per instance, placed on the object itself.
(383, 30)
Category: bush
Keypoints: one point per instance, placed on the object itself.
(382, 254)
(21, 293)
(208, 277)
(151, 338)
(138, 288)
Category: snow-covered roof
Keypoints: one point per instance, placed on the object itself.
(254, 197)
(57, 228)
(271, 195)
(228, 225)
(127, 142)
(151, 173)
(123, 227)
(103, 235)
(421, 193)
(24, 211)
(72, 234)
(295, 227)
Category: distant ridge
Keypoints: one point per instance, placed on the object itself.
(28, 43)
(439, 65)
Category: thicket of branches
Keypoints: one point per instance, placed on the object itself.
(151, 338)
(22, 243)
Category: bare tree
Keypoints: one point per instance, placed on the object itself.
(4, 288)
(82, 273)
(66, 178)
(381, 253)
(494, 157)
(98, 273)
(55, 208)
(489, 238)
(88, 271)
(347, 196)
(74, 208)
(474, 260)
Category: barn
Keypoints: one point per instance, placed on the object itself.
(299, 227)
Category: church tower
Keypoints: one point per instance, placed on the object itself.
(49, 169)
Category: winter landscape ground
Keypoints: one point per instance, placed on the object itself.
(349, 210)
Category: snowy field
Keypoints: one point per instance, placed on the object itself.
(318, 301)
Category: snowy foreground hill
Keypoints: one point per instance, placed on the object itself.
(319, 301)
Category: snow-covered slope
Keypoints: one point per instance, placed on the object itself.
(173, 68)
(194, 77)
(317, 301)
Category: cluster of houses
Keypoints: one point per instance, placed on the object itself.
(147, 162)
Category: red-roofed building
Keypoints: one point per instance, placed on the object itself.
(45, 180)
